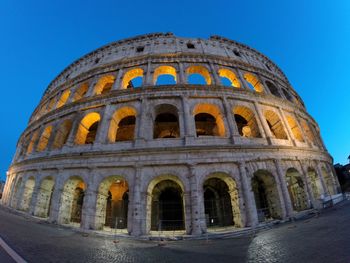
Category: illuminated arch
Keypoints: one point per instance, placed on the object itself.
(296, 189)
(166, 122)
(164, 70)
(81, 91)
(201, 70)
(295, 128)
(308, 132)
(44, 139)
(104, 85)
(90, 120)
(43, 202)
(125, 132)
(130, 75)
(51, 104)
(218, 128)
(32, 142)
(226, 73)
(246, 122)
(62, 134)
(275, 124)
(254, 82)
(27, 194)
(63, 99)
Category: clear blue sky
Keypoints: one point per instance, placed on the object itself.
(309, 40)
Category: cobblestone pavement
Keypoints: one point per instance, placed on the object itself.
(324, 238)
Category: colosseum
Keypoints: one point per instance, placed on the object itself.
(164, 133)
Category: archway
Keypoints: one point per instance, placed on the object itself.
(275, 124)
(63, 99)
(164, 75)
(266, 196)
(87, 129)
(273, 89)
(72, 199)
(295, 128)
(104, 85)
(27, 193)
(32, 143)
(130, 76)
(166, 123)
(246, 122)
(315, 183)
(208, 120)
(81, 92)
(253, 82)
(122, 126)
(296, 189)
(221, 202)
(62, 134)
(44, 139)
(201, 71)
(16, 192)
(227, 76)
(112, 203)
(167, 206)
(328, 180)
(43, 202)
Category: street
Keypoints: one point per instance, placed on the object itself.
(323, 238)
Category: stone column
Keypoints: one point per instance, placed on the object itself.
(35, 194)
(242, 80)
(102, 130)
(75, 125)
(118, 80)
(142, 129)
(56, 199)
(182, 75)
(216, 80)
(261, 119)
(147, 79)
(90, 91)
(320, 174)
(89, 208)
(286, 125)
(231, 123)
(52, 136)
(287, 202)
(307, 182)
(189, 127)
(136, 206)
(197, 206)
(248, 195)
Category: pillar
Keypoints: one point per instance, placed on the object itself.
(286, 125)
(261, 119)
(89, 209)
(136, 205)
(286, 198)
(231, 123)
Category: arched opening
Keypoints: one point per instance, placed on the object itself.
(253, 82)
(272, 88)
(104, 85)
(44, 139)
(308, 132)
(122, 126)
(51, 104)
(221, 202)
(208, 120)
(328, 180)
(288, 95)
(16, 192)
(166, 123)
(164, 75)
(81, 91)
(63, 99)
(266, 196)
(275, 125)
(43, 202)
(228, 78)
(62, 134)
(27, 194)
(112, 203)
(315, 183)
(295, 128)
(246, 122)
(167, 206)
(33, 142)
(132, 78)
(72, 199)
(198, 75)
(296, 189)
(87, 130)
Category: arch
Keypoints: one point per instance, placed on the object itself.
(166, 122)
(295, 128)
(104, 85)
(81, 92)
(51, 104)
(164, 70)
(266, 196)
(221, 201)
(253, 82)
(32, 142)
(72, 199)
(208, 120)
(88, 128)
(62, 134)
(129, 76)
(328, 180)
(112, 203)
(296, 189)
(308, 132)
(63, 99)
(27, 193)
(44, 139)
(16, 193)
(165, 212)
(122, 125)
(288, 95)
(246, 122)
(275, 124)
(315, 183)
(43, 202)
(231, 76)
(273, 88)
(201, 70)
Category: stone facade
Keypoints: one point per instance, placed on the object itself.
(223, 140)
